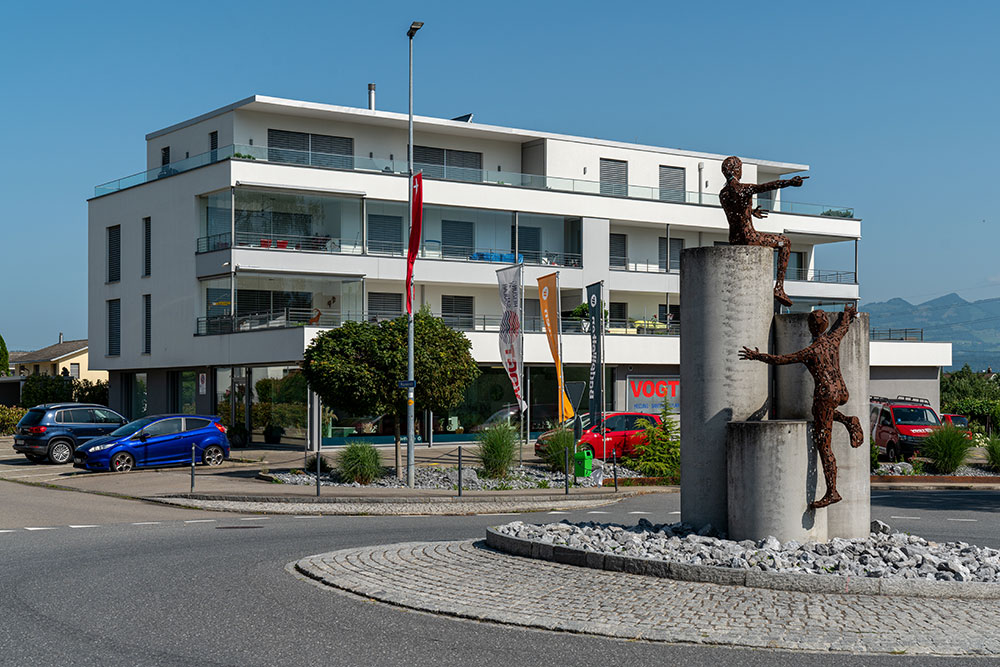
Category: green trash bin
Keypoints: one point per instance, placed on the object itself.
(583, 463)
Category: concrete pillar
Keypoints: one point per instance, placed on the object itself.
(727, 292)
(772, 473)
(851, 517)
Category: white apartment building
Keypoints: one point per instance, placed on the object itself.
(259, 224)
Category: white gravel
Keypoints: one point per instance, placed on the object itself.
(903, 468)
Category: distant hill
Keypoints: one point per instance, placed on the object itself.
(973, 327)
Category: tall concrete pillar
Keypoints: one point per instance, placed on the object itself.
(773, 476)
(728, 302)
(851, 517)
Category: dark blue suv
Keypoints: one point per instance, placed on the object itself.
(156, 441)
(52, 431)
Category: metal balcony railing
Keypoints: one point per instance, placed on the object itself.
(448, 173)
(807, 275)
(896, 334)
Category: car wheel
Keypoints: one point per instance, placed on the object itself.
(60, 452)
(122, 462)
(213, 456)
(586, 448)
(35, 458)
(892, 452)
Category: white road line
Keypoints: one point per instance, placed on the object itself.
(677, 512)
(557, 512)
(85, 525)
(501, 514)
(40, 528)
(7, 531)
(640, 512)
(200, 521)
(598, 512)
(961, 519)
(308, 516)
(905, 517)
(255, 518)
(146, 523)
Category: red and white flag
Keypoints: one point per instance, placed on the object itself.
(416, 220)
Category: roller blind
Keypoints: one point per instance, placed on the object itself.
(614, 177)
(618, 250)
(385, 304)
(672, 184)
(457, 238)
(114, 253)
(385, 233)
(114, 327)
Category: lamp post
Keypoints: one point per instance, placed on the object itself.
(414, 27)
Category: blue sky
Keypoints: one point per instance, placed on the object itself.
(893, 105)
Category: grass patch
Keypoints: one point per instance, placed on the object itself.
(498, 449)
(359, 462)
(947, 448)
(554, 453)
(992, 447)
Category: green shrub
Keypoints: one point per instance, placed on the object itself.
(359, 462)
(86, 391)
(498, 449)
(874, 454)
(660, 455)
(992, 447)
(39, 389)
(9, 418)
(324, 465)
(554, 453)
(946, 448)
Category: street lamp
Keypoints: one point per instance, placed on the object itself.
(410, 438)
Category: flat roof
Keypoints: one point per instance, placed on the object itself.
(279, 105)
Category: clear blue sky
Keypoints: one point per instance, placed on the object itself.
(893, 105)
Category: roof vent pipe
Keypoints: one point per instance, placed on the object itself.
(60, 336)
(371, 97)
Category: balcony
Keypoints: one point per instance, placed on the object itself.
(642, 265)
(912, 335)
(301, 317)
(441, 172)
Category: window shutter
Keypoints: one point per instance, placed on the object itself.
(249, 301)
(114, 327)
(617, 312)
(662, 253)
(385, 304)
(676, 246)
(213, 141)
(114, 253)
(672, 184)
(333, 152)
(147, 245)
(457, 238)
(463, 165)
(285, 146)
(458, 311)
(165, 156)
(618, 250)
(385, 233)
(614, 177)
(529, 243)
(147, 329)
(429, 160)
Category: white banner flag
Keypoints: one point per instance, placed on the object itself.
(511, 339)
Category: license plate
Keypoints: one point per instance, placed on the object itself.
(77, 459)
(18, 441)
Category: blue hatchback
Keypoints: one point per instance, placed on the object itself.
(156, 441)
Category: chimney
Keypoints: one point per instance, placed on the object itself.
(371, 97)
(60, 336)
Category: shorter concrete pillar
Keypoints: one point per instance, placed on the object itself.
(772, 478)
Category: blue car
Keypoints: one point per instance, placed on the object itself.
(52, 431)
(160, 440)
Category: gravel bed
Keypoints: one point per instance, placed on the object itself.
(882, 554)
(907, 469)
(433, 477)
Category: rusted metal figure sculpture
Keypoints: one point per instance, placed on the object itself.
(822, 358)
(736, 199)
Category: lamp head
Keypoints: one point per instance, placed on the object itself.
(414, 27)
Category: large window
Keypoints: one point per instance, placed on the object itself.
(288, 221)
(215, 219)
(447, 163)
(319, 150)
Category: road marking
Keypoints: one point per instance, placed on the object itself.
(308, 516)
(557, 512)
(40, 528)
(85, 525)
(905, 517)
(200, 521)
(598, 512)
(677, 512)
(146, 523)
(255, 518)
(501, 514)
(6, 531)
(961, 519)
(640, 512)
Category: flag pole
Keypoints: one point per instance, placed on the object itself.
(416, 25)
(561, 371)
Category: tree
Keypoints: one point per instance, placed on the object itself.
(660, 454)
(358, 367)
(975, 395)
(4, 357)
(40, 389)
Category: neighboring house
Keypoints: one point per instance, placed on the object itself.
(71, 356)
(259, 224)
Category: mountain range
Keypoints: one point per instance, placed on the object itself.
(972, 327)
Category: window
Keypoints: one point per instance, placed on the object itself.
(672, 184)
(114, 253)
(114, 327)
(458, 311)
(670, 315)
(529, 243)
(146, 324)
(618, 251)
(384, 305)
(213, 141)
(74, 371)
(614, 177)
(533, 315)
(615, 423)
(193, 424)
(100, 416)
(670, 261)
(448, 163)
(457, 238)
(315, 149)
(796, 266)
(78, 416)
(618, 313)
(165, 156)
(164, 427)
(385, 234)
(147, 245)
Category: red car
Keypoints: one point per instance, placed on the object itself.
(622, 433)
(959, 422)
(900, 425)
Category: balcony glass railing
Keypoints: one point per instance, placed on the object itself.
(443, 172)
(300, 317)
(805, 275)
(896, 334)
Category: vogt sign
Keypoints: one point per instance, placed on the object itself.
(647, 393)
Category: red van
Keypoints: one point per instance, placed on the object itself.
(899, 425)
(958, 421)
(622, 432)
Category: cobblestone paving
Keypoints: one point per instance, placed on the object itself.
(468, 580)
(388, 508)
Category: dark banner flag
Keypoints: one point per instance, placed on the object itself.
(416, 221)
(595, 308)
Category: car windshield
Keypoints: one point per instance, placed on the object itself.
(960, 422)
(915, 417)
(132, 427)
(32, 417)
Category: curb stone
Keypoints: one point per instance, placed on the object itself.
(784, 581)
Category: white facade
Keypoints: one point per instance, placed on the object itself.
(310, 230)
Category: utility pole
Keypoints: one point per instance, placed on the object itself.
(414, 27)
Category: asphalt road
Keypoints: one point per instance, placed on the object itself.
(134, 583)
